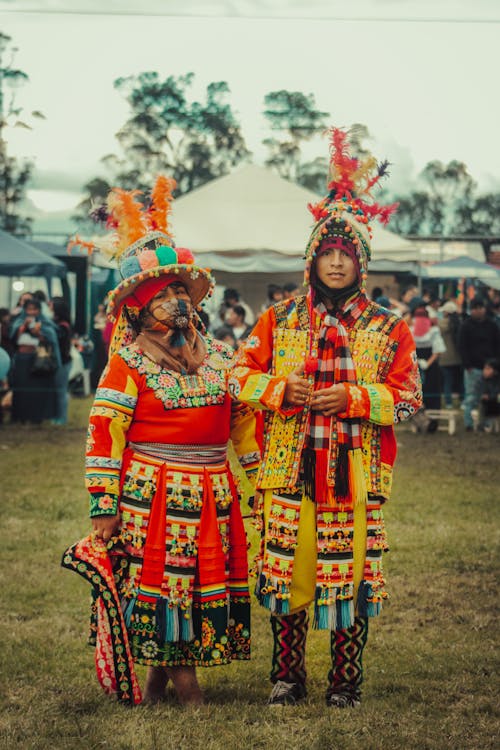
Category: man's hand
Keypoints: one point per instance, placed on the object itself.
(330, 400)
(106, 526)
(297, 388)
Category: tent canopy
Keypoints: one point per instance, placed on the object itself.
(19, 258)
(254, 220)
(462, 268)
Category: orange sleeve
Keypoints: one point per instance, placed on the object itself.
(110, 418)
(250, 380)
(399, 396)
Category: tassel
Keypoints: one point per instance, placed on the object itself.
(172, 624)
(342, 495)
(160, 619)
(128, 610)
(345, 613)
(357, 479)
(309, 471)
(321, 493)
(367, 604)
(187, 633)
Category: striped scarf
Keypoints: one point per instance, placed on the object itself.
(333, 440)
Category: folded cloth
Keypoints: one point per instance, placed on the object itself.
(113, 659)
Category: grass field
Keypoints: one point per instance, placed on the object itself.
(431, 665)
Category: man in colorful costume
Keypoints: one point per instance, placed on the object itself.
(168, 557)
(333, 372)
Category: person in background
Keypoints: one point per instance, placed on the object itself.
(433, 306)
(19, 306)
(235, 319)
(33, 395)
(376, 292)
(40, 295)
(5, 393)
(489, 388)
(450, 361)
(274, 294)
(226, 335)
(164, 505)
(290, 289)
(231, 298)
(100, 351)
(333, 372)
(5, 340)
(430, 346)
(61, 318)
(478, 341)
(407, 295)
(494, 304)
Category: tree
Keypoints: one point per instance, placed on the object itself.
(14, 174)
(191, 141)
(441, 205)
(481, 216)
(451, 187)
(295, 119)
(417, 213)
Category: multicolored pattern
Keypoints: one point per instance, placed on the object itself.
(289, 647)
(197, 584)
(383, 353)
(334, 605)
(346, 645)
(114, 665)
(178, 391)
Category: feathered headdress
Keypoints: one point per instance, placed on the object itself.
(140, 241)
(343, 215)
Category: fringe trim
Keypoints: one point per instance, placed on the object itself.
(173, 623)
(273, 594)
(369, 603)
(357, 478)
(333, 608)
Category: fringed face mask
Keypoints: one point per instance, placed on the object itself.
(171, 309)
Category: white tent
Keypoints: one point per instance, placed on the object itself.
(252, 220)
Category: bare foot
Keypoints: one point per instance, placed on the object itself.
(186, 685)
(156, 682)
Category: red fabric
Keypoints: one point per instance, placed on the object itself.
(211, 563)
(145, 292)
(153, 565)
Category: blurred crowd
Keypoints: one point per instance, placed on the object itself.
(458, 352)
(39, 354)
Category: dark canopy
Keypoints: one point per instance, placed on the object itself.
(20, 258)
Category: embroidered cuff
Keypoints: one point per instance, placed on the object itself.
(103, 504)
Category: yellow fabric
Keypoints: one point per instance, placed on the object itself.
(303, 583)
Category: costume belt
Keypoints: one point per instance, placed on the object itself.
(194, 455)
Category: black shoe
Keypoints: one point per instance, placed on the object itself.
(287, 693)
(343, 699)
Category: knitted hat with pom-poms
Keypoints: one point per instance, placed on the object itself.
(343, 215)
(141, 244)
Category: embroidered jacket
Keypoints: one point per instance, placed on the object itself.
(138, 401)
(388, 387)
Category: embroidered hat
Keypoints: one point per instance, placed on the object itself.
(142, 246)
(342, 216)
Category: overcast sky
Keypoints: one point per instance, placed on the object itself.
(423, 76)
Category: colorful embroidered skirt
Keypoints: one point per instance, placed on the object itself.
(318, 553)
(184, 592)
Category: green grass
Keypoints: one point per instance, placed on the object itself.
(431, 665)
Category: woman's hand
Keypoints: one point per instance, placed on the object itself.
(297, 388)
(330, 400)
(106, 526)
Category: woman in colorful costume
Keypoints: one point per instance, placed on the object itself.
(333, 372)
(163, 501)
